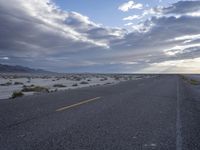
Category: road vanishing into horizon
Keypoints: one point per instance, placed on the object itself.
(158, 113)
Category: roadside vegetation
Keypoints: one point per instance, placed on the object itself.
(83, 82)
(104, 79)
(75, 84)
(59, 85)
(6, 84)
(190, 81)
(18, 83)
(194, 82)
(17, 94)
(33, 88)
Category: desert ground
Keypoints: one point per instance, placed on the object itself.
(27, 84)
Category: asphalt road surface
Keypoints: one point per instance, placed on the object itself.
(159, 113)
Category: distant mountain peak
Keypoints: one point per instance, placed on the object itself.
(19, 69)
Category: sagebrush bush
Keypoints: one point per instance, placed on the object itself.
(17, 94)
(75, 84)
(34, 89)
(59, 85)
(83, 82)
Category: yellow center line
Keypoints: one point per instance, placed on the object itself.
(78, 104)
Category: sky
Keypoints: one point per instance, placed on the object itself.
(114, 36)
(102, 12)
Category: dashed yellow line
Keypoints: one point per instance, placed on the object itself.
(77, 104)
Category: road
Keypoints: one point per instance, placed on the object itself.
(159, 113)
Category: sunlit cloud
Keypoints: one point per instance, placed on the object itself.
(130, 5)
(5, 58)
(180, 49)
(175, 66)
(132, 17)
(128, 24)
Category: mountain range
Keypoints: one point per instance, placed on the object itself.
(20, 69)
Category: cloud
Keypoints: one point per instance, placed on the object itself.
(143, 26)
(156, 11)
(41, 35)
(132, 17)
(182, 7)
(5, 58)
(40, 27)
(128, 24)
(181, 49)
(130, 5)
(174, 66)
(187, 37)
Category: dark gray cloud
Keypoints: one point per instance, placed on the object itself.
(183, 7)
(38, 34)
